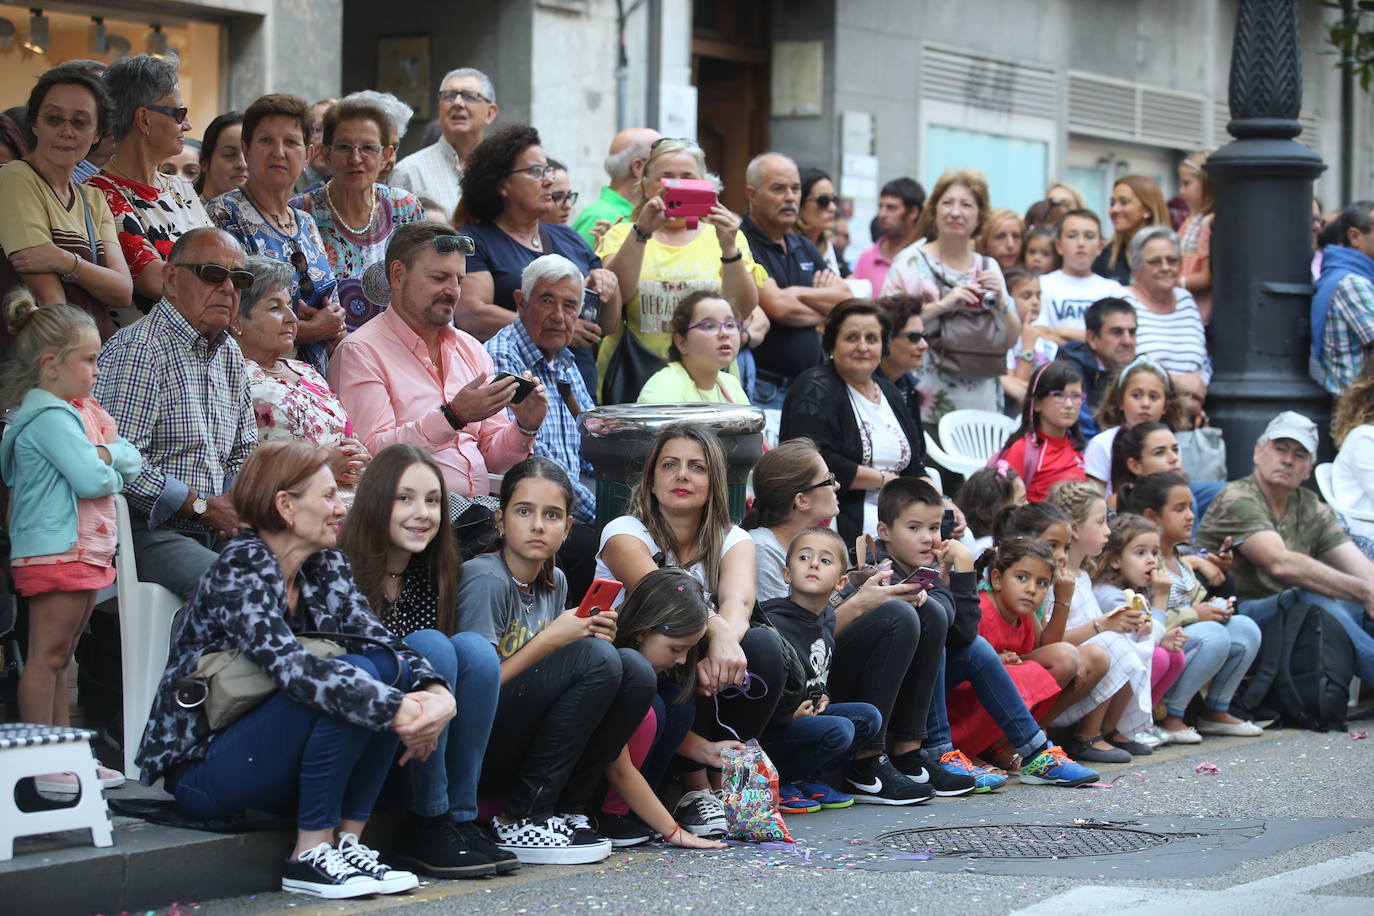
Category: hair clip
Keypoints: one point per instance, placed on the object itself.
(682, 588)
(1002, 467)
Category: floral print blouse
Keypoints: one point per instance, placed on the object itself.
(307, 409)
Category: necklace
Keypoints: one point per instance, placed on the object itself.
(338, 216)
(285, 227)
(532, 242)
(392, 575)
(525, 586)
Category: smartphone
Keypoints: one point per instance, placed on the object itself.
(523, 386)
(1236, 545)
(947, 525)
(925, 576)
(688, 199)
(599, 597)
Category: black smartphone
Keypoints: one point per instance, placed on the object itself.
(1237, 545)
(523, 386)
(947, 525)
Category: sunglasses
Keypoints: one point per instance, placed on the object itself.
(913, 336)
(214, 274)
(829, 481)
(448, 244)
(176, 114)
(685, 141)
(306, 290)
(825, 200)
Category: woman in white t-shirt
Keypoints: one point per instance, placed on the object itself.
(679, 516)
(1352, 476)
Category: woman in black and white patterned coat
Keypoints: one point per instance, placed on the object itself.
(322, 745)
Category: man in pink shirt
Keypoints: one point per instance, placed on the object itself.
(899, 206)
(410, 376)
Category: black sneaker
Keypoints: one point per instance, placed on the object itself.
(584, 834)
(324, 872)
(875, 781)
(479, 838)
(365, 859)
(548, 842)
(623, 831)
(437, 847)
(700, 812)
(926, 769)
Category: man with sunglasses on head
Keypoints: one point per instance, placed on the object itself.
(175, 383)
(467, 104)
(409, 376)
(800, 291)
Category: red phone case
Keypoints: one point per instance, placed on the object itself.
(600, 596)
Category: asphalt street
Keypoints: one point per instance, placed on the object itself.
(1284, 821)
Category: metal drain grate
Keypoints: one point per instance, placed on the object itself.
(1023, 841)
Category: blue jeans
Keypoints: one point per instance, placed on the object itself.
(768, 394)
(1216, 652)
(447, 781)
(1203, 494)
(285, 755)
(1349, 614)
(978, 664)
(804, 748)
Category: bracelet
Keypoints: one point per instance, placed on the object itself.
(677, 828)
(640, 233)
(1061, 603)
(1097, 627)
(738, 255)
(531, 433)
(451, 416)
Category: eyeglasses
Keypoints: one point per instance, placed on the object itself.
(712, 326)
(367, 150)
(467, 95)
(913, 336)
(1073, 397)
(825, 200)
(1172, 260)
(448, 244)
(176, 114)
(829, 481)
(55, 122)
(685, 141)
(1060, 201)
(537, 172)
(306, 289)
(565, 198)
(215, 274)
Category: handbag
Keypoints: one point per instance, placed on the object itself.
(967, 343)
(1203, 451)
(228, 684)
(630, 366)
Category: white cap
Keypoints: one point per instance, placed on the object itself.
(1292, 425)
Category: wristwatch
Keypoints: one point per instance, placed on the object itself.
(199, 505)
(451, 416)
(1027, 356)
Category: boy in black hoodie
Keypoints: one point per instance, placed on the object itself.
(909, 514)
(821, 734)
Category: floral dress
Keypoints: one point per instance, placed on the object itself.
(307, 409)
(351, 252)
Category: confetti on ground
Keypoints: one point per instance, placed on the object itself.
(1207, 768)
(1356, 736)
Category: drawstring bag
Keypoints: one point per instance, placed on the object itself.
(749, 786)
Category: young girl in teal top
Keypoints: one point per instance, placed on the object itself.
(63, 462)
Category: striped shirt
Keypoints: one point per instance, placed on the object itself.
(183, 402)
(1176, 341)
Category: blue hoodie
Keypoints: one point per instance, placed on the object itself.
(49, 463)
(1337, 262)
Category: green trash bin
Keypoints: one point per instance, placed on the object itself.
(616, 439)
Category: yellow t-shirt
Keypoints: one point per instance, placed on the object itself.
(32, 215)
(672, 385)
(669, 273)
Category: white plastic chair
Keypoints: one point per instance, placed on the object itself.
(968, 438)
(146, 611)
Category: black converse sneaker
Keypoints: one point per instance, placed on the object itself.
(324, 872)
(550, 842)
(364, 858)
(700, 812)
(436, 846)
(876, 781)
(623, 831)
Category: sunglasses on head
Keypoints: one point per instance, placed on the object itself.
(685, 141)
(216, 274)
(306, 290)
(448, 244)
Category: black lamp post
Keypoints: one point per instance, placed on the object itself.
(1262, 237)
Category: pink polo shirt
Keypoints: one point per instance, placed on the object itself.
(872, 266)
(392, 391)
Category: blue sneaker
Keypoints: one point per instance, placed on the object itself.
(792, 800)
(823, 795)
(983, 780)
(1052, 767)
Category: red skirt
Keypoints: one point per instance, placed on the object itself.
(72, 576)
(973, 731)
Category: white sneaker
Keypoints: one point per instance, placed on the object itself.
(109, 779)
(1188, 735)
(364, 859)
(1229, 729)
(550, 842)
(1149, 739)
(323, 872)
(701, 812)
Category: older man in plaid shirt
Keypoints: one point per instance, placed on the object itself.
(547, 306)
(176, 384)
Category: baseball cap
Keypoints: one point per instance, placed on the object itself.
(1292, 425)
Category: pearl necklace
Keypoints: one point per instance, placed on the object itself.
(338, 216)
(524, 585)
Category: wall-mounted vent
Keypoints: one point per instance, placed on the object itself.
(1120, 110)
(989, 83)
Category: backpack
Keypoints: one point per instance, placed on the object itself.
(1304, 667)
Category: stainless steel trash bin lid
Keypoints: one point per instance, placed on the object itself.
(643, 421)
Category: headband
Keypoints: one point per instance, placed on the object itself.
(1143, 360)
